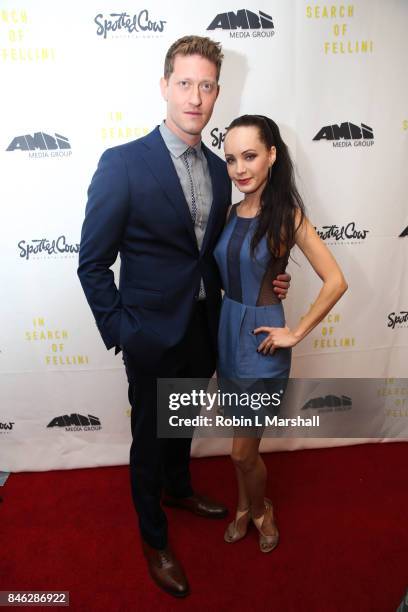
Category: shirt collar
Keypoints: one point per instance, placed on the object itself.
(175, 145)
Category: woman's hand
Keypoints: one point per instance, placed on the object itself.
(278, 337)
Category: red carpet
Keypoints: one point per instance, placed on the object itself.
(341, 513)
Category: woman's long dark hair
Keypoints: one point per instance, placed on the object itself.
(280, 198)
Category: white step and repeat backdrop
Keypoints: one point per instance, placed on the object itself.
(76, 80)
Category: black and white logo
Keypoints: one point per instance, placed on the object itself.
(347, 134)
(41, 145)
(342, 234)
(76, 422)
(244, 24)
(43, 248)
(329, 403)
(398, 319)
(6, 427)
(119, 25)
(404, 233)
(217, 137)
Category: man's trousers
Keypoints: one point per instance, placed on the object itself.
(163, 464)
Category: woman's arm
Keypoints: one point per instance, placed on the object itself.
(334, 285)
(327, 268)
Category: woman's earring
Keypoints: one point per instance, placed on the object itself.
(269, 173)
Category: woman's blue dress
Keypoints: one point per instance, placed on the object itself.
(249, 302)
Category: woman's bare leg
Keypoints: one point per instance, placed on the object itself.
(251, 477)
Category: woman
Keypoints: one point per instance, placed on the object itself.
(254, 341)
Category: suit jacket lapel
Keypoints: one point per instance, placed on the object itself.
(161, 166)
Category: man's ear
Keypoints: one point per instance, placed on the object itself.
(163, 87)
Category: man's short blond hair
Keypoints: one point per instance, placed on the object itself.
(194, 45)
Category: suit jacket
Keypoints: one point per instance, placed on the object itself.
(136, 207)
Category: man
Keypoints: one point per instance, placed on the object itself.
(161, 202)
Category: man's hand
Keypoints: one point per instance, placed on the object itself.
(281, 285)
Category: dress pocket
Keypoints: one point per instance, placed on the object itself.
(252, 363)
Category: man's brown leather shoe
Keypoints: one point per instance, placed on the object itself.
(165, 570)
(197, 504)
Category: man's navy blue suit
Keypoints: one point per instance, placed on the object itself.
(136, 207)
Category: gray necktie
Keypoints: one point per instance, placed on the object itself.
(187, 155)
(187, 159)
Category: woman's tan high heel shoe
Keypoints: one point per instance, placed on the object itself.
(238, 528)
(266, 542)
